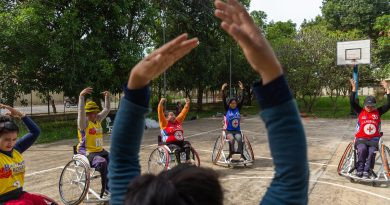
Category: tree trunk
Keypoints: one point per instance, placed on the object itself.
(53, 105)
(200, 99)
(48, 103)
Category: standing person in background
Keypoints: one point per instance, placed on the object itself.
(179, 107)
(191, 185)
(90, 134)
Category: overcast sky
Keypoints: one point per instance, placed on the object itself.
(283, 10)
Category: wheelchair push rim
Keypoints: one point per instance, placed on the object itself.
(75, 175)
(385, 159)
(158, 160)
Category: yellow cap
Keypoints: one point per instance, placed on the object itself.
(91, 106)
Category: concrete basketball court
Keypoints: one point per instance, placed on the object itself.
(326, 138)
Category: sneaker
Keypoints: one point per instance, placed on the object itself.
(366, 175)
(242, 159)
(359, 174)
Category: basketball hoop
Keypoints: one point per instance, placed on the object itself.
(354, 52)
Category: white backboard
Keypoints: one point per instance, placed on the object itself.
(354, 52)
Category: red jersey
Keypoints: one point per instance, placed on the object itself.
(173, 132)
(369, 125)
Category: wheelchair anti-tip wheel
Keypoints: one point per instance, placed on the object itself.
(74, 182)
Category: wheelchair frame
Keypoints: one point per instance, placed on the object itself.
(219, 157)
(347, 164)
(82, 179)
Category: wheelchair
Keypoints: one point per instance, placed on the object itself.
(163, 157)
(380, 172)
(221, 152)
(48, 200)
(76, 182)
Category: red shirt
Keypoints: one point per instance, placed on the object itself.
(368, 125)
(173, 132)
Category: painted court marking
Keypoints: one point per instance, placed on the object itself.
(321, 182)
(44, 171)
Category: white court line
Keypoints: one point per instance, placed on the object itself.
(189, 136)
(315, 163)
(321, 182)
(44, 171)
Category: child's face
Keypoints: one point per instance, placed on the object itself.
(369, 108)
(92, 116)
(8, 141)
(171, 117)
(233, 104)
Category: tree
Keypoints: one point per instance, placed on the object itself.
(346, 15)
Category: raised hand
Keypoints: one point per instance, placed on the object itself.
(160, 60)
(353, 84)
(86, 91)
(162, 101)
(12, 111)
(187, 101)
(238, 23)
(224, 86)
(106, 93)
(385, 85)
(240, 85)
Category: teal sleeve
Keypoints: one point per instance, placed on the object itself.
(126, 139)
(287, 143)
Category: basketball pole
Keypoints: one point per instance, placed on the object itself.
(355, 76)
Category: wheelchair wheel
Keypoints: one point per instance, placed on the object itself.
(48, 200)
(158, 160)
(248, 151)
(345, 159)
(385, 157)
(195, 157)
(74, 182)
(217, 149)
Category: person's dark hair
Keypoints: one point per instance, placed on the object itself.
(182, 185)
(231, 100)
(7, 125)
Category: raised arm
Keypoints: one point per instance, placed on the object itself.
(225, 105)
(285, 131)
(182, 116)
(125, 146)
(384, 108)
(161, 116)
(356, 107)
(28, 139)
(81, 117)
(240, 98)
(103, 114)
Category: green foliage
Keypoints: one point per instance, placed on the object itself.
(354, 14)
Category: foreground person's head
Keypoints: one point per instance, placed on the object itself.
(8, 133)
(182, 185)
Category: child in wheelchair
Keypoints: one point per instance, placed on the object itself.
(232, 124)
(172, 130)
(90, 135)
(12, 164)
(368, 130)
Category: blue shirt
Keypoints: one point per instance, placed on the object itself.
(232, 120)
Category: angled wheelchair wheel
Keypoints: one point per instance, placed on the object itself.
(345, 161)
(217, 149)
(385, 153)
(195, 157)
(248, 151)
(158, 160)
(74, 182)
